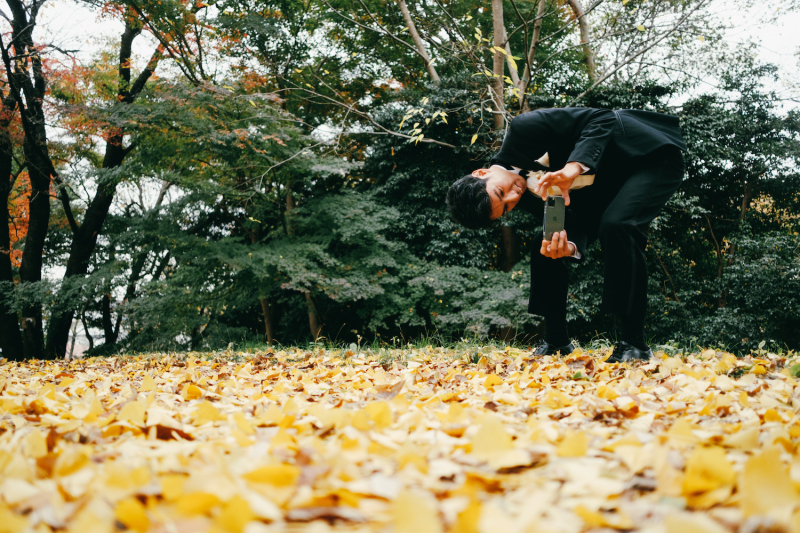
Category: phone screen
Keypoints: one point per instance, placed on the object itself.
(553, 216)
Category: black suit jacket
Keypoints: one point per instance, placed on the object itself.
(586, 135)
(603, 140)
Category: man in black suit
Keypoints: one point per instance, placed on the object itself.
(616, 170)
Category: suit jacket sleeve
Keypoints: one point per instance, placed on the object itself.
(575, 233)
(593, 140)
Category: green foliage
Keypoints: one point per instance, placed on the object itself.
(296, 170)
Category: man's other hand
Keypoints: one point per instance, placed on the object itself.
(561, 178)
(558, 247)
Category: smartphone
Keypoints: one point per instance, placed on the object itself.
(553, 216)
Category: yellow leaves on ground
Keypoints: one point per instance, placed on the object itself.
(279, 475)
(206, 412)
(148, 384)
(491, 437)
(575, 444)
(34, 445)
(131, 513)
(766, 487)
(707, 469)
(234, 516)
(196, 503)
(132, 412)
(413, 513)
(400, 441)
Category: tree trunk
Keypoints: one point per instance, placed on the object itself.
(266, 305)
(583, 26)
(509, 246)
(747, 197)
(412, 29)
(531, 57)
(86, 329)
(313, 317)
(27, 87)
(314, 323)
(498, 66)
(509, 253)
(84, 241)
(108, 323)
(266, 309)
(10, 337)
(30, 270)
(72, 342)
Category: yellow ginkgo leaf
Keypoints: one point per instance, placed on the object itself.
(280, 475)
(575, 444)
(766, 485)
(207, 413)
(132, 412)
(491, 437)
(131, 513)
(148, 384)
(235, 515)
(35, 445)
(415, 513)
(707, 469)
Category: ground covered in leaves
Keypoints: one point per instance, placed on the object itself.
(414, 441)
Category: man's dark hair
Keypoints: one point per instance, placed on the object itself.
(469, 203)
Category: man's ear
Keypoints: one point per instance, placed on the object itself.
(480, 173)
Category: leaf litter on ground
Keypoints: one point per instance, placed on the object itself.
(419, 441)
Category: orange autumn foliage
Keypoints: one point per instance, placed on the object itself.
(18, 215)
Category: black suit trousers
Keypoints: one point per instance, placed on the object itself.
(616, 209)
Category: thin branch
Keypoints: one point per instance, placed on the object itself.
(368, 117)
(64, 197)
(638, 53)
(382, 30)
(666, 273)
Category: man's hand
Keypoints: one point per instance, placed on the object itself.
(558, 247)
(561, 178)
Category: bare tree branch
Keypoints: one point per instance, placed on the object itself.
(583, 25)
(382, 29)
(412, 29)
(639, 52)
(499, 30)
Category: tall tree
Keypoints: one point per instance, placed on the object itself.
(10, 337)
(27, 85)
(85, 234)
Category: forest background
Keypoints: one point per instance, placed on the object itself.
(274, 171)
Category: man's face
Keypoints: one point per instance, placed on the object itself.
(505, 188)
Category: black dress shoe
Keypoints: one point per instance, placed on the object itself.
(547, 349)
(625, 353)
